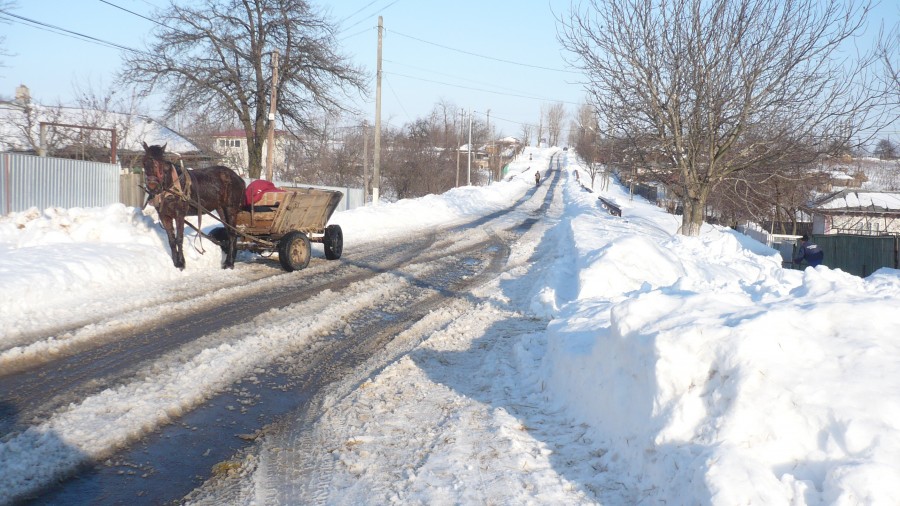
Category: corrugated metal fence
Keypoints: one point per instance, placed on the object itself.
(857, 254)
(30, 181)
(353, 197)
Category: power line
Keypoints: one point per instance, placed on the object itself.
(480, 89)
(484, 56)
(517, 92)
(62, 31)
(366, 18)
(135, 13)
(357, 11)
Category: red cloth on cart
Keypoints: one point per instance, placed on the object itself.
(256, 189)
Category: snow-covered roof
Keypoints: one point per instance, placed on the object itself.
(866, 201)
(131, 129)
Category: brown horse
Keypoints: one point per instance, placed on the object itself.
(176, 193)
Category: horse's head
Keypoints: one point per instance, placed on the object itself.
(155, 165)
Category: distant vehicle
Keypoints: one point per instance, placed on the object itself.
(565, 148)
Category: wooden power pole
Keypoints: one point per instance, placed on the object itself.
(270, 153)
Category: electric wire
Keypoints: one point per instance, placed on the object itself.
(492, 58)
(15, 18)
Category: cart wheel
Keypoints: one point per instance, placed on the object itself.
(294, 251)
(333, 242)
(221, 235)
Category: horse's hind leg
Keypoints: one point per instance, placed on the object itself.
(229, 219)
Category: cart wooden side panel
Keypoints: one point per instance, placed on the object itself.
(304, 210)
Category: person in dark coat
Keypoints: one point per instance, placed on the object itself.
(808, 251)
(537, 177)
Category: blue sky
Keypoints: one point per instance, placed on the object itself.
(432, 51)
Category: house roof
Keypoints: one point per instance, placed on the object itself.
(859, 201)
(139, 128)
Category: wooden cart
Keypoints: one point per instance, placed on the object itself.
(286, 222)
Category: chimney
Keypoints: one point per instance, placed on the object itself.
(23, 95)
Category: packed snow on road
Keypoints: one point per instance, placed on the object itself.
(612, 361)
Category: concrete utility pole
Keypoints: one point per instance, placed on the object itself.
(458, 146)
(490, 146)
(376, 177)
(469, 152)
(365, 161)
(270, 153)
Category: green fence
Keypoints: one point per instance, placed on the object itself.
(859, 254)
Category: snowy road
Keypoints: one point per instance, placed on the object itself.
(171, 372)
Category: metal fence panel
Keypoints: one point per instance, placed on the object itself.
(30, 181)
(130, 191)
(353, 197)
(857, 254)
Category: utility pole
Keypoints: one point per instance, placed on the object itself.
(377, 170)
(490, 146)
(270, 153)
(458, 144)
(469, 152)
(365, 161)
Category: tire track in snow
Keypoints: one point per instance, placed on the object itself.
(38, 391)
(59, 445)
(297, 461)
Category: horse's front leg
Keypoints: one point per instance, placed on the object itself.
(169, 227)
(178, 246)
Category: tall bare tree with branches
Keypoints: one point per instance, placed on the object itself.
(556, 115)
(719, 87)
(218, 55)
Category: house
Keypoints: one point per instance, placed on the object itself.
(86, 134)
(231, 145)
(857, 212)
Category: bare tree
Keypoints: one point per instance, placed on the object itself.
(704, 80)
(24, 117)
(540, 126)
(886, 150)
(5, 6)
(889, 50)
(526, 133)
(219, 55)
(585, 139)
(556, 115)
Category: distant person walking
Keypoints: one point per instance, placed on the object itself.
(808, 251)
(537, 177)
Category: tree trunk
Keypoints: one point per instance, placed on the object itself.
(694, 203)
(254, 159)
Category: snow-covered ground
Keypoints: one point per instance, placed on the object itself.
(613, 361)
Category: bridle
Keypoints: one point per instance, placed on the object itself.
(164, 180)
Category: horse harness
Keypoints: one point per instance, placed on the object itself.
(180, 187)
